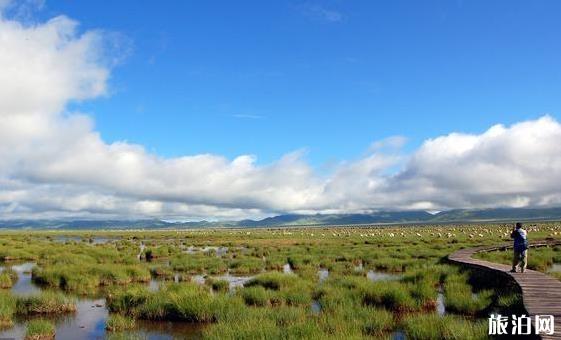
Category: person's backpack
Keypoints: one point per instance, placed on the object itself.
(525, 243)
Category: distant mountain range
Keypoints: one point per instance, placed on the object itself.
(382, 217)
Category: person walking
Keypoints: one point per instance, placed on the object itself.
(520, 255)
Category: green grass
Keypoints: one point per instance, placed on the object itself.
(218, 285)
(162, 272)
(274, 305)
(256, 296)
(7, 309)
(198, 263)
(40, 329)
(45, 303)
(448, 327)
(181, 302)
(81, 276)
(460, 299)
(274, 281)
(245, 266)
(5, 280)
(119, 323)
(391, 295)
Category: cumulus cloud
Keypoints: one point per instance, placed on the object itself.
(518, 165)
(55, 163)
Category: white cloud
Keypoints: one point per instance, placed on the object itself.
(515, 166)
(320, 12)
(55, 164)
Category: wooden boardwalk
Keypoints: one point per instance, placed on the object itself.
(541, 293)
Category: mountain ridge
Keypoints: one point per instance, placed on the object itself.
(377, 218)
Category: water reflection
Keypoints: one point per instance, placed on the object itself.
(87, 323)
(78, 239)
(287, 269)
(440, 306)
(24, 285)
(316, 307)
(381, 276)
(323, 274)
(220, 251)
(359, 267)
(166, 330)
(200, 279)
(398, 335)
(234, 281)
(555, 268)
(89, 320)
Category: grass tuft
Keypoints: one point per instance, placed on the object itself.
(40, 330)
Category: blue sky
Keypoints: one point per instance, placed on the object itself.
(187, 110)
(268, 77)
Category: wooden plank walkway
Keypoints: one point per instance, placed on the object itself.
(541, 293)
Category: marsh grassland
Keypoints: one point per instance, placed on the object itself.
(312, 283)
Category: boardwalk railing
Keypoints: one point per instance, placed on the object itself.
(541, 293)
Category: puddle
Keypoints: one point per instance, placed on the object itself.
(287, 269)
(166, 330)
(381, 276)
(555, 268)
(64, 239)
(79, 239)
(89, 323)
(154, 285)
(200, 279)
(440, 306)
(316, 307)
(142, 247)
(220, 251)
(24, 285)
(359, 267)
(398, 335)
(323, 274)
(235, 281)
